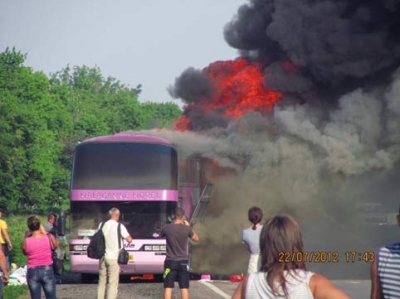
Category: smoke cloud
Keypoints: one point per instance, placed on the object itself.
(317, 165)
(334, 42)
(331, 143)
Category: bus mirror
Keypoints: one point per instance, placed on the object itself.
(62, 220)
(69, 185)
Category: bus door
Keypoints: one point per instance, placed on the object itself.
(202, 204)
(200, 210)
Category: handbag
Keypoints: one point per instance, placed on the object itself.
(58, 264)
(123, 255)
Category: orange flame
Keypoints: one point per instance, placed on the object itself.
(239, 89)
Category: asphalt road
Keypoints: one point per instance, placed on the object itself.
(357, 289)
(214, 289)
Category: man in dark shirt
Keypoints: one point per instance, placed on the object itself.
(176, 263)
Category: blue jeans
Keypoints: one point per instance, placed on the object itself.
(38, 277)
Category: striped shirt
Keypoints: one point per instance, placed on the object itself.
(298, 286)
(388, 261)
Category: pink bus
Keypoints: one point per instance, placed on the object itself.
(138, 174)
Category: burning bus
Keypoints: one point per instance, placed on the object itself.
(141, 175)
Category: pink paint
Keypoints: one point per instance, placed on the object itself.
(129, 137)
(123, 195)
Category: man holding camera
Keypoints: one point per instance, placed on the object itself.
(176, 263)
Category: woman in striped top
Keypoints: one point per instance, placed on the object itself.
(385, 271)
(276, 279)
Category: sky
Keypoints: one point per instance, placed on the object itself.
(137, 42)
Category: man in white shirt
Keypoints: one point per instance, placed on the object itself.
(108, 265)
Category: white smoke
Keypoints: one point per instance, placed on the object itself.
(299, 158)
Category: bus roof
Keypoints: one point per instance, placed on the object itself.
(128, 137)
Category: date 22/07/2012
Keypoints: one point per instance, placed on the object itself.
(326, 257)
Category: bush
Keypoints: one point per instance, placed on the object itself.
(16, 229)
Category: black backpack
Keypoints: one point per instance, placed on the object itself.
(97, 245)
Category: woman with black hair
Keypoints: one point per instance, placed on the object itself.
(251, 238)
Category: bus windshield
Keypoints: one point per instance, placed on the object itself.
(124, 165)
(143, 219)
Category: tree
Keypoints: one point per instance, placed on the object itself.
(42, 119)
(29, 149)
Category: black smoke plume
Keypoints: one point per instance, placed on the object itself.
(328, 151)
(334, 43)
(336, 46)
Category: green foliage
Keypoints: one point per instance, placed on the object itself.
(29, 149)
(160, 114)
(42, 119)
(16, 229)
(15, 291)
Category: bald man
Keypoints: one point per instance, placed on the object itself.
(108, 265)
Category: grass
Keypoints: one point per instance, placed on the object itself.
(15, 292)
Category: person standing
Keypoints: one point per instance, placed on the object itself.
(176, 263)
(385, 270)
(38, 248)
(284, 279)
(51, 228)
(5, 239)
(108, 264)
(50, 225)
(251, 238)
(4, 271)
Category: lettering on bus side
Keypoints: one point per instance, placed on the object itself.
(146, 195)
(139, 195)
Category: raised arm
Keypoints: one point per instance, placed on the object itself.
(54, 241)
(195, 237)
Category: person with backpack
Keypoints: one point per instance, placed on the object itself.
(108, 264)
